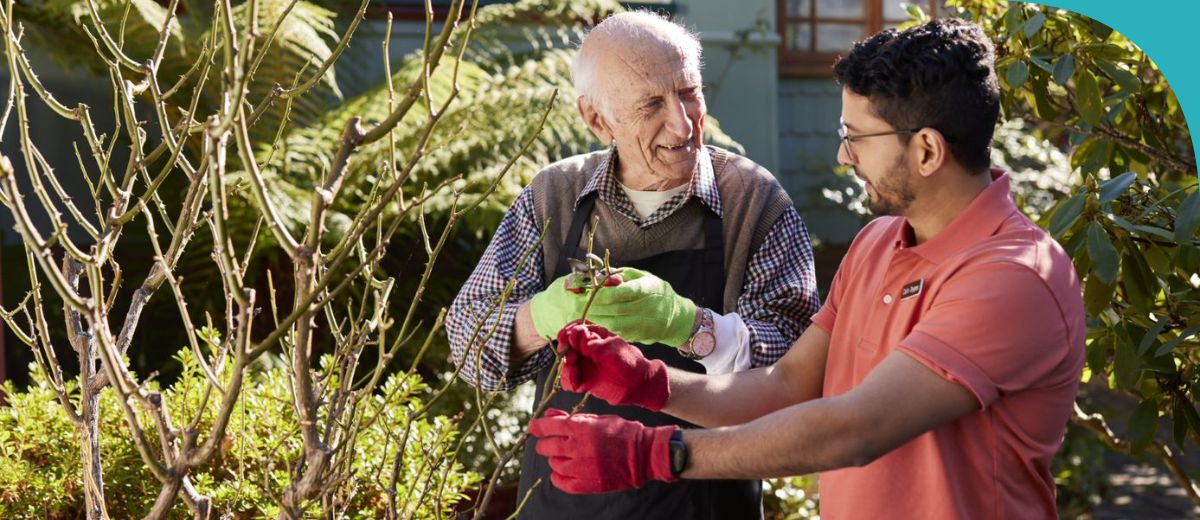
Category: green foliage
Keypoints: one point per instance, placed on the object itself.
(791, 498)
(1128, 217)
(1079, 473)
(40, 466)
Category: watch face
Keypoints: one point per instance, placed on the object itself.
(703, 344)
(678, 457)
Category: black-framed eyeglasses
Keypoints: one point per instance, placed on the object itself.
(847, 139)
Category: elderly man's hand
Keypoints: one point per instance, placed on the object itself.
(555, 307)
(596, 361)
(644, 309)
(602, 453)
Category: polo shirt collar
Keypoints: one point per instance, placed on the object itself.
(703, 185)
(980, 220)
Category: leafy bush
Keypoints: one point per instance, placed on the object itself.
(40, 462)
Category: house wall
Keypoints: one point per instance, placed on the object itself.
(809, 109)
(740, 71)
(787, 124)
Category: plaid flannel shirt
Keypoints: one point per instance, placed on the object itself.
(777, 301)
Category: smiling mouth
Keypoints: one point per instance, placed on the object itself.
(679, 146)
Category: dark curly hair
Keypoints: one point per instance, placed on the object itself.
(938, 75)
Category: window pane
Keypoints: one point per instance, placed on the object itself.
(892, 10)
(839, 9)
(799, 8)
(837, 37)
(798, 37)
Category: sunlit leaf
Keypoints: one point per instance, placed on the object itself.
(1087, 98)
(1127, 81)
(1114, 187)
(1097, 295)
(1106, 263)
(1066, 215)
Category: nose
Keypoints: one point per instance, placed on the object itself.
(843, 153)
(678, 122)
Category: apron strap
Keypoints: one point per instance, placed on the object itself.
(582, 213)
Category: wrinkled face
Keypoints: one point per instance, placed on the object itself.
(655, 110)
(881, 162)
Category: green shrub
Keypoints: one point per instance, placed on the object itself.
(41, 477)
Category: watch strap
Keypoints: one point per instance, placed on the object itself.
(679, 453)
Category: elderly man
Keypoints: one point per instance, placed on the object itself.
(733, 256)
(938, 378)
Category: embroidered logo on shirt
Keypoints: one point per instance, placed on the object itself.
(912, 289)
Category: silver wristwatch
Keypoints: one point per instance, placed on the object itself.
(703, 341)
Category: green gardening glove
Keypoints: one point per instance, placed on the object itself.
(644, 309)
(555, 307)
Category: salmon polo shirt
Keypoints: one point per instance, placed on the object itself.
(991, 303)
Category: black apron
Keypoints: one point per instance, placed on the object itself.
(698, 274)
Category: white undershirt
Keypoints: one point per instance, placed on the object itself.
(645, 203)
(732, 352)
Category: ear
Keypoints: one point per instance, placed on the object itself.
(594, 120)
(930, 150)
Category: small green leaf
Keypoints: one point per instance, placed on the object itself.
(1016, 74)
(1156, 231)
(914, 11)
(1179, 421)
(1097, 354)
(1125, 224)
(1065, 216)
(1042, 101)
(1114, 187)
(1073, 246)
(1095, 157)
(1087, 98)
(1040, 61)
(1127, 366)
(1188, 258)
(1101, 30)
(1140, 283)
(1107, 51)
(1188, 218)
(1183, 336)
(1105, 262)
(1097, 295)
(1064, 68)
(1035, 24)
(1011, 18)
(1151, 336)
(1127, 81)
(1143, 425)
(1191, 416)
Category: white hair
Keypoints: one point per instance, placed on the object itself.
(630, 26)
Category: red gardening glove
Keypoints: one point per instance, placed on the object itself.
(602, 453)
(599, 362)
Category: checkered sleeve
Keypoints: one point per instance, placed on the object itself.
(780, 295)
(479, 325)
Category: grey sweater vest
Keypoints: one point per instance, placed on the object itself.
(751, 199)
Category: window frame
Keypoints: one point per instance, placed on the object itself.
(820, 64)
